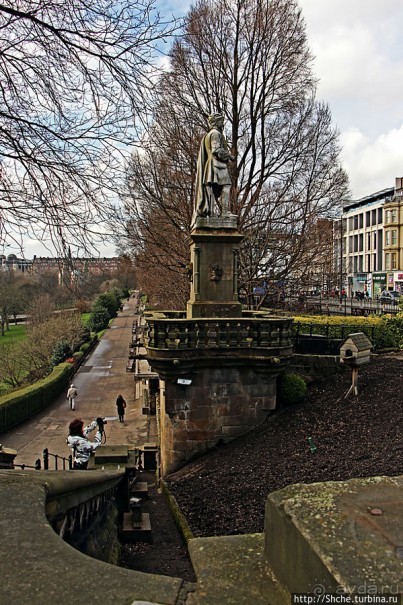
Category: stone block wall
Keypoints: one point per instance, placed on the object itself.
(219, 405)
(315, 367)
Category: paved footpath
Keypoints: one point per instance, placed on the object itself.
(98, 381)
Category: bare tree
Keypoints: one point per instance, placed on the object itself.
(11, 302)
(74, 81)
(11, 370)
(248, 59)
(42, 338)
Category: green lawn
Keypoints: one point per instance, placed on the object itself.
(84, 318)
(14, 334)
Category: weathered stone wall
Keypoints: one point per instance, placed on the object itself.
(315, 367)
(219, 405)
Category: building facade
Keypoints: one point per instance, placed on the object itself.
(70, 268)
(373, 242)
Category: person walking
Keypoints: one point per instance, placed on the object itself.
(121, 405)
(71, 396)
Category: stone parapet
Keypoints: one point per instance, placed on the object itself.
(39, 568)
(337, 537)
(175, 344)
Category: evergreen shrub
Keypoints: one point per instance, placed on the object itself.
(60, 353)
(291, 389)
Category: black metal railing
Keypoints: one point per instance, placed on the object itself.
(56, 459)
(333, 333)
(37, 466)
(59, 462)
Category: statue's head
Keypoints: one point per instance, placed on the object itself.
(216, 120)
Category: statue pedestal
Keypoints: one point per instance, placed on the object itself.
(214, 249)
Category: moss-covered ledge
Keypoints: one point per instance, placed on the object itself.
(337, 536)
(39, 568)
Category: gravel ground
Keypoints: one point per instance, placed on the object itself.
(225, 491)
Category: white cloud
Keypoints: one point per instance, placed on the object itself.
(372, 164)
(358, 51)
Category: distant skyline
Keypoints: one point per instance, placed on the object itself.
(358, 50)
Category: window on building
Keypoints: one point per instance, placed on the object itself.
(355, 269)
(356, 221)
(351, 223)
(361, 220)
(379, 216)
(368, 219)
(361, 263)
(355, 243)
(394, 237)
(361, 242)
(387, 216)
(374, 242)
(387, 238)
(351, 244)
(368, 241)
(387, 262)
(394, 260)
(374, 263)
(393, 216)
(368, 267)
(373, 217)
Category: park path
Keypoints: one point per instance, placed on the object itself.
(98, 381)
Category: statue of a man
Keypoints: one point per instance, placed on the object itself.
(213, 182)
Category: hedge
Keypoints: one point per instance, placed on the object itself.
(21, 405)
(382, 331)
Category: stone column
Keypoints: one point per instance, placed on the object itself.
(214, 250)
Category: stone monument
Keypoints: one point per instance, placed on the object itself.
(217, 364)
(215, 238)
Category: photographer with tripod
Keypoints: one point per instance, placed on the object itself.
(80, 444)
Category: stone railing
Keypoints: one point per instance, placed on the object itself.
(175, 333)
(40, 568)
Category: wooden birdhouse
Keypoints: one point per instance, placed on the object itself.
(355, 351)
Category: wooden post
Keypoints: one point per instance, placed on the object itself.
(354, 382)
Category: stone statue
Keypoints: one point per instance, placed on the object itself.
(213, 182)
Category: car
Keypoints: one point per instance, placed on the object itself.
(390, 297)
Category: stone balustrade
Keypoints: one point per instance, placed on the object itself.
(171, 332)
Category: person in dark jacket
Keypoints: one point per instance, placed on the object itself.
(121, 405)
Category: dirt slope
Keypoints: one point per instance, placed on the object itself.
(225, 491)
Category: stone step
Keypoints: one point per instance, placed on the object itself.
(139, 489)
(133, 534)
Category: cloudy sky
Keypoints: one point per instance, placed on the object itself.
(358, 49)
